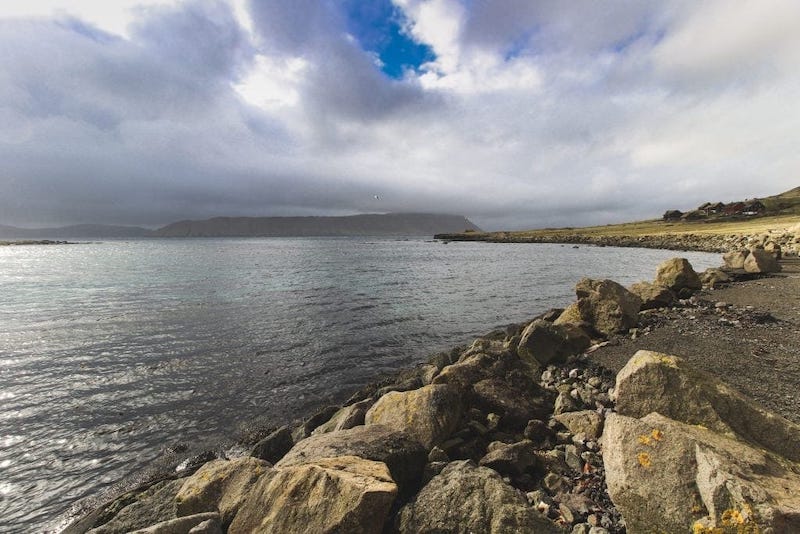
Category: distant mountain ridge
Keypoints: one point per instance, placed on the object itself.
(369, 224)
(77, 231)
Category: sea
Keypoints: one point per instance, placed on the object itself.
(114, 354)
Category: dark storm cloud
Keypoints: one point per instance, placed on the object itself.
(109, 127)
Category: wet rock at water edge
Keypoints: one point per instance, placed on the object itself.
(347, 417)
(542, 342)
(273, 447)
(653, 295)
(205, 523)
(605, 305)
(761, 261)
(220, 486)
(134, 510)
(677, 274)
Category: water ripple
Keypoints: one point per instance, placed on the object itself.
(111, 353)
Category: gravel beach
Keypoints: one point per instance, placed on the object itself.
(747, 333)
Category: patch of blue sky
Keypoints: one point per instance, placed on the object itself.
(378, 27)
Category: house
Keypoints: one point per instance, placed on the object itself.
(672, 215)
(703, 207)
(734, 208)
(754, 207)
(710, 208)
(695, 215)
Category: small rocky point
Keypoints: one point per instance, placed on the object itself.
(519, 432)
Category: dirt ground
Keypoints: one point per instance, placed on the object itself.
(753, 343)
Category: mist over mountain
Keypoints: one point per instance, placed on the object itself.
(78, 231)
(369, 224)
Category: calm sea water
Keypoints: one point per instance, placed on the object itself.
(111, 352)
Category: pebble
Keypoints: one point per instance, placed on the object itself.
(492, 421)
(438, 455)
(538, 496)
(572, 459)
(574, 373)
(566, 513)
(555, 483)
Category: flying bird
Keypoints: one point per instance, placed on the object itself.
(377, 197)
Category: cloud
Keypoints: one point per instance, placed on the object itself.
(723, 43)
(529, 114)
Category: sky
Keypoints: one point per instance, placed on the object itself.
(514, 113)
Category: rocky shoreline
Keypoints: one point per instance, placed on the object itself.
(700, 242)
(522, 431)
(25, 242)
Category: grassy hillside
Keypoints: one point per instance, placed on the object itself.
(660, 227)
(787, 203)
(782, 211)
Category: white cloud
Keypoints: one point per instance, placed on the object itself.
(272, 82)
(732, 41)
(437, 23)
(533, 113)
(111, 16)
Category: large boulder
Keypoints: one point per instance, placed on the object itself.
(586, 422)
(515, 398)
(774, 249)
(761, 261)
(655, 382)
(403, 455)
(347, 417)
(309, 425)
(712, 277)
(510, 459)
(735, 259)
(668, 476)
(345, 494)
(499, 383)
(543, 342)
(464, 498)
(220, 486)
(134, 510)
(472, 368)
(677, 274)
(604, 304)
(653, 295)
(429, 414)
(274, 446)
(205, 523)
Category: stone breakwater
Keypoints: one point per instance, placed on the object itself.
(33, 242)
(786, 239)
(518, 432)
